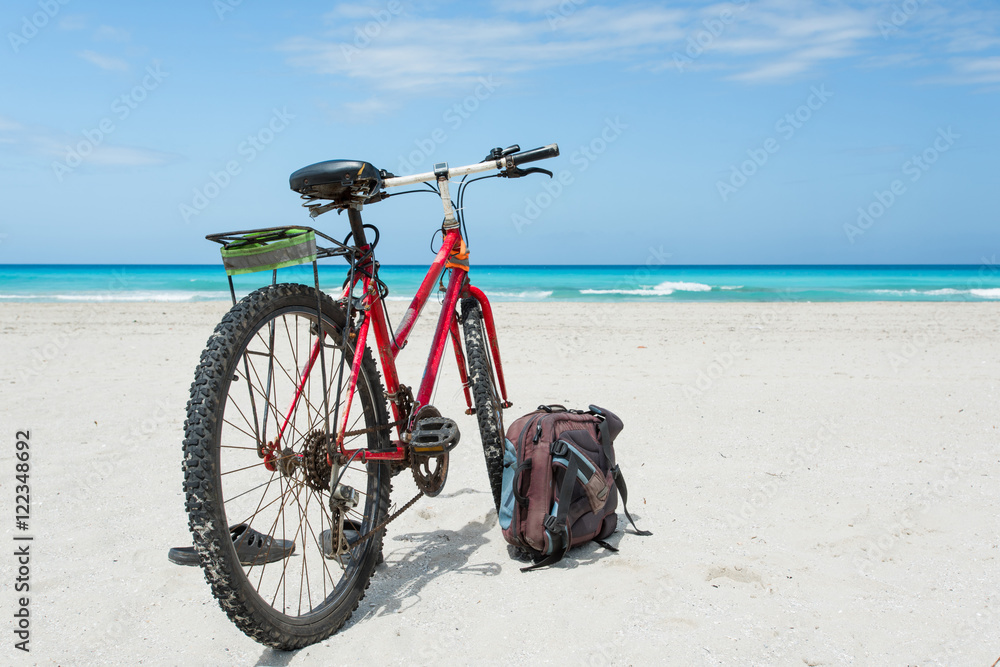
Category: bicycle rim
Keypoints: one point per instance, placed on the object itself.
(289, 590)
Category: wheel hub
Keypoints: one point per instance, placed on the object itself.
(288, 462)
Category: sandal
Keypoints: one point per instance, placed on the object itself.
(252, 548)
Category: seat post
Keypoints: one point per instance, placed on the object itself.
(358, 229)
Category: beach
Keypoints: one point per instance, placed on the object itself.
(821, 481)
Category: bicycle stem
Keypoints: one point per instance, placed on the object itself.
(450, 222)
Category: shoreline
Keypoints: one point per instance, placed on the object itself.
(658, 283)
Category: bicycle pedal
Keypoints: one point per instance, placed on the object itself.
(434, 435)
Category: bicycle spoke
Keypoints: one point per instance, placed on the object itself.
(260, 508)
(270, 531)
(274, 409)
(255, 465)
(297, 381)
(232, 499)
(284, 564)
(283, 370)
(350, 427)
(304, 572)
(226, 421)
(295, 495)
(253, 406)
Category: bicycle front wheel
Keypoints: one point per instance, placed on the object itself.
(482, 381)
(263, 528)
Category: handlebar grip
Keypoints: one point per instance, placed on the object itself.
(535, 154)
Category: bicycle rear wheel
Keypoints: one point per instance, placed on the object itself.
(259, 533)
(482, 380)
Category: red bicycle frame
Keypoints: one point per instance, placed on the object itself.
(390, 344)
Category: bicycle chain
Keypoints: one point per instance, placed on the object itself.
(373, 429)
(392, 517)
(395, 515)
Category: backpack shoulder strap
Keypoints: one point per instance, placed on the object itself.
(604, 433)
(556, 523)
(623, 492)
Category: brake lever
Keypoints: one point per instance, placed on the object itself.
(517, 172)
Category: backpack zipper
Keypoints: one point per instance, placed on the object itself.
(524, 433)
(519, 454)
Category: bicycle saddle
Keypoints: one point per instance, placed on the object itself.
(337, 180)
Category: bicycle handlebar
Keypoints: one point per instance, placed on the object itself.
(506, 162)
(535, 154)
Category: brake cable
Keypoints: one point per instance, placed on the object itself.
(461, 201)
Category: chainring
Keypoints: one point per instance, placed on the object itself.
(429, 472)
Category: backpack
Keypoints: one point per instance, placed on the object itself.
(560, 483)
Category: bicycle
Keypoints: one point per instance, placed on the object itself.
(288, 455)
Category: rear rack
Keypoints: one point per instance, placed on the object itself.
(273, 248)
(269, 235)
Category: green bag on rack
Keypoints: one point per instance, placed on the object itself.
(266, 251)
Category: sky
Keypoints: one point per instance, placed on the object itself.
(748, 132)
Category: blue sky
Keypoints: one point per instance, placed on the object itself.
(736, 133)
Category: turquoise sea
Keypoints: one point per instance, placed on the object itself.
(68, 283)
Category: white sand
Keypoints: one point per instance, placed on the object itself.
(832, 495)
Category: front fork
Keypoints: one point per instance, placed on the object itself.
(491, 334)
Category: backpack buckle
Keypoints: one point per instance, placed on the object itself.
(554, 524)
(559, 448)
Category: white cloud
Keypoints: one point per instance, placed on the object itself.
(353, 10)
(107, 33)
(72, 22)
(410, 54)
(104, 62)
(366, 110)
(757, 41)
(125, 156)
(779, 41)
(535, 6)
(57, 147)
(47, 145)
(943, 34)
(774, 71)
(901, 59)
(976, 70)
(8, 125)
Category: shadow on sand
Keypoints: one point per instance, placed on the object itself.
(412, 560)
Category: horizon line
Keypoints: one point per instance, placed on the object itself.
(656, 266)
